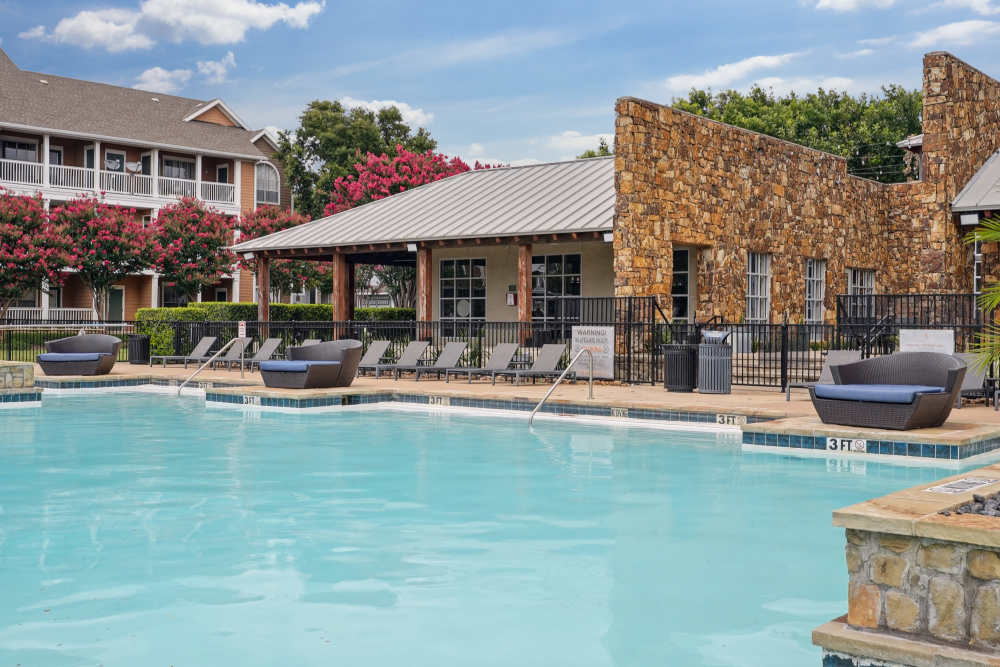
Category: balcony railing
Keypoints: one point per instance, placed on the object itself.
(74, 178)
(220, 192)
(16, 171)
(176, 187)
(127, 184)
(36, 314)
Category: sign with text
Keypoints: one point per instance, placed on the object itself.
(927, 340)
(601, 343)
(242, 329)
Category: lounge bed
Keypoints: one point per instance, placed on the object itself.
(900, 391)
(499, 360)
(410, 356)
(85, 354)
(200, 350)
(449, 358)
(833, 358)
(544, 366)
(329, 364)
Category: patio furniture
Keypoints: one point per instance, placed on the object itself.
(410, 356)
(265, 353)
(833, 358)
(310, 341)
(373, 355)
(449, 358)
(499, 360)
(199, 351)
(85, 354)
(974, 383)
(330, 364)
(899, 391)
(234, 353)
(544, 366)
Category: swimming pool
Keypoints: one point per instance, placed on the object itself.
(137, 526)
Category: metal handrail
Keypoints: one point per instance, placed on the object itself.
(202, 367)
(569, 366)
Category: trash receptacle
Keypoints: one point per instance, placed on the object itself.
(138, 349)
(715, 363)
(680, 367)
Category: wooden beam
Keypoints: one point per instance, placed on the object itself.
(424, 286)
(343, 299)
(524, 282)
(263, 289)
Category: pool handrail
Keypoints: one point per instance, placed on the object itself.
(569, 366)
(200, 368)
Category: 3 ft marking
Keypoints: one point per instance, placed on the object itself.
(438, 400)
(619, 412)
(846, 445)
(731, 420)
(251, 400)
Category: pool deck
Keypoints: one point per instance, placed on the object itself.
(768, 422)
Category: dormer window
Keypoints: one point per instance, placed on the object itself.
(267, 184)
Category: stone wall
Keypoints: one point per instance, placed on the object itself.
(14, 375)
(947, 592)
(686, 180)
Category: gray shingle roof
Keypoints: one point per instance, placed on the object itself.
(559, 197)
(982, 192)
(102, 110)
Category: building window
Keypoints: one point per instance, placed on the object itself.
(88, 157)
(178, 168)
(861, 282)
(222, 173)
(463, 289)
(815, 290)
(977, 267)
(758, 288)
(56, 155)
(555, 287)
(12, 149)
(267, 184)
(681, 285)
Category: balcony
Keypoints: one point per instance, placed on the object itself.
(36, 314)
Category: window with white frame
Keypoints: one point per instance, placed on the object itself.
(555, 282)
(758, 287)
(815, 290)
(267, 184)
(977, 267)
(178, 168)
(17, 149)
(463, 289)
(861, 282)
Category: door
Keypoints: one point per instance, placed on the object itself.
(221, 294)
(116, 303)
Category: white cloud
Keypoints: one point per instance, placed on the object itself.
(159, 80)
(877, 41)
(728, 74)
(981, 7)
(215, 71)
(806, 84)
(853, 5)
(961, 32)
(571, 143)
(475, 150)
(412, 116)
(217, 22)
(860, 53)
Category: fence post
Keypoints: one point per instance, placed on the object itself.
(784, 356)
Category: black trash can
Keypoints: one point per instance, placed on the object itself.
(138, 349)
(715, 363)
(680, 367)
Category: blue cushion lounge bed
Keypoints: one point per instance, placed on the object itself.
(900, 391)
(86, 354)
(330, 364)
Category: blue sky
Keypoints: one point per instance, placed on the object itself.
(513, 81)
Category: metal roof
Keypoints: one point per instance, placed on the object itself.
(982, 192)
(558, 197)
(911, 143)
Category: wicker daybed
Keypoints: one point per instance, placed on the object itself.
(329, 364)
(900, 391)
(86, 354)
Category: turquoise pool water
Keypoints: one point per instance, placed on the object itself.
(141, 530)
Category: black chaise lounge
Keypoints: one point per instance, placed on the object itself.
(500, 360)
(410, 356)
(833, 358)
(233, 353)
(544, 366)
(899, 391)
(86, 354)
(974, 383)
(330, 364)
(449, 358)
(373, 355)
(265, 353)
(199, 351)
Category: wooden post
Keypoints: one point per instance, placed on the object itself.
(524, 282)
(342, 297)
(351, 289)
(425, 308)
(263, 289)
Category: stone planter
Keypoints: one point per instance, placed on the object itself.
(16, 375)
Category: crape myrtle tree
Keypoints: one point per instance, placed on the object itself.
(33, 248)
(286, 275)
(109, 242)
(191, 246)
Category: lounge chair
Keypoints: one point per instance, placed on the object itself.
(449, 358)
(234, 353)
(410, 356)
(833, 358)
(544, 366)
(199, 351)
(899, 391)
(310, 341)
(85, 354)
(265, 353)
(499, 360)
(373, 355)
(974, 383)
(330, 364)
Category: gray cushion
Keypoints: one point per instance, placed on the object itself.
(69, 356)
(293, 366)
(875, 393)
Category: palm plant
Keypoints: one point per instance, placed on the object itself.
(987, 344)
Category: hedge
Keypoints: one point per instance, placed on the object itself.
(221, 311)
(154, 322)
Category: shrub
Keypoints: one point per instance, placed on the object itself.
(157, 324)
(385, 314)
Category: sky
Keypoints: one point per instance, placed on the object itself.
(515, 81)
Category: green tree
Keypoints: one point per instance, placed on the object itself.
(331, 138)
(602, 151)
(987, 344)
(864, 129)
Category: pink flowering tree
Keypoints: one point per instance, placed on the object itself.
(33, 248)
(191, 246)
(287, 275)
(109, 242)
(379, 176)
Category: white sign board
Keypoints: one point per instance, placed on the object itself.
(927, 340)
(242, 329)
(601, 342)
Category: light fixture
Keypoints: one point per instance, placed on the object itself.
(609, 237)
(411, 247)
(248, 255)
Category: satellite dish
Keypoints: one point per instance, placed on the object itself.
(133, 167)
(112, 163)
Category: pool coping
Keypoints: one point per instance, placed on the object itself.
(864, 647)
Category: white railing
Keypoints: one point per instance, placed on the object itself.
(176, 187)
(128, 184)
(220, 192)
(74, 178)
(18, 171)
(54, 314)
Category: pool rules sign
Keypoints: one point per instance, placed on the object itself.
(601, 343)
